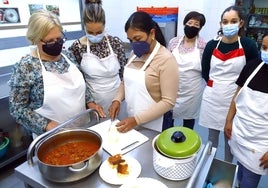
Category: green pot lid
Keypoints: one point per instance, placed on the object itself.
(178, 142)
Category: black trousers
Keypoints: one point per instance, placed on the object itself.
(168, 120)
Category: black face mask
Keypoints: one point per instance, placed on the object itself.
(53, 49)
(190, 31)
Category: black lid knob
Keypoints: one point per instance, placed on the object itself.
(178, 136)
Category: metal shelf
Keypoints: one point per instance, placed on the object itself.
(7, 124)
(257, 27)
(14, 153)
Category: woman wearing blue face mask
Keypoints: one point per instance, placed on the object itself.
(46, 86)
(222, 62)
(101, 57)
(247, 121)
(150, 77)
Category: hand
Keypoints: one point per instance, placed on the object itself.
(114, 109)
(51, 125)
(126, 124)
(264, 160)
(97, 107)
(228, 129)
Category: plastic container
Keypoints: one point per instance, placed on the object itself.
(166, 17)
(3, 147)
(221, 174)
(159, 10)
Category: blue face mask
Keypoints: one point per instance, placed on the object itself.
(230, 30)
(95, 39)
(140, 48)
(264, 56)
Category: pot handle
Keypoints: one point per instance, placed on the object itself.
(31, 149)
(78, 169)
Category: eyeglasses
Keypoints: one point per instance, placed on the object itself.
(52, 43)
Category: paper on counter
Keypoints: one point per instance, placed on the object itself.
(115, 142)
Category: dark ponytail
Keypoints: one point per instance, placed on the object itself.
(93, 1)
(143, 21)
(159, 35)
(93, 12)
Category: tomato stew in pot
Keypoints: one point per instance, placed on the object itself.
(70, 153)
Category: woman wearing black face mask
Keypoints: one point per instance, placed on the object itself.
(188, 50)
(150, 76)
(47, 88)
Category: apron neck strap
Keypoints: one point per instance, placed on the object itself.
(239, 43)
(64, 56)
(148, 61)
(109, 45)
(253, 73)
(181, 40)
(88, 46)
(131, 59)
(41, 62)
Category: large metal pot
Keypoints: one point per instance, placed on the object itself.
(60, 135)
(72, 172)
(175, 152)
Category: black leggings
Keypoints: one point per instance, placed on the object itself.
(189, 123)
(168, 120)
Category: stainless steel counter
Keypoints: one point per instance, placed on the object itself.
(33, 178)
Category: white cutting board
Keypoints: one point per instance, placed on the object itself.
(115, 142)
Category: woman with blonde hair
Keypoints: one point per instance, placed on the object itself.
(47, 88)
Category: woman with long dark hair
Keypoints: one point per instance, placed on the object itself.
(247, 121)
(188, 50)
(149, 84)
(222, 61)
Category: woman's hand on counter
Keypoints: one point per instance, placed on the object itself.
(97, 107)
(51, 125)
(126, 124)
(114, 109)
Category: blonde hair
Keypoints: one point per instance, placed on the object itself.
(40, 24)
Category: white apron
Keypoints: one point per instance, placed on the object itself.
(64, 94)
(136, 95)
(217, 95)
(191, 83)
(250, 127)
(102, 76)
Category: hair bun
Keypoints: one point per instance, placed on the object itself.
(93, 2)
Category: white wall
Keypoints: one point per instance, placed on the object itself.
(212, 10)
(69, 12)
(118, 11)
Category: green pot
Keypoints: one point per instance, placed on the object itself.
(178, 142)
